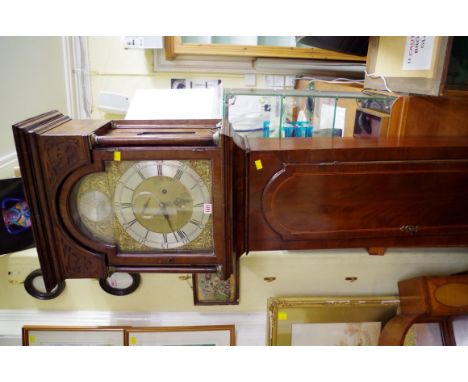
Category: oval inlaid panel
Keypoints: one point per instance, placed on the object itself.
(453, 294)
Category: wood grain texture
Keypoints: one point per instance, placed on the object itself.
(424, 295)
(434, 117)
(421, 302)
(77, 262)
(394, 332)
(376, 251)
(326, 193)
(158, 133)
(29, 157)
(413, 296)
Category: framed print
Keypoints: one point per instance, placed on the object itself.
(336, 334)
(73, 336)
(218, 335)
(209, 289)
(320, 321)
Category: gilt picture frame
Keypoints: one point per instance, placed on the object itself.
(337, 320)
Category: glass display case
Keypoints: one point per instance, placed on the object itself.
(270, 113)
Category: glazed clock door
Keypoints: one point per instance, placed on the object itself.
(152, 209)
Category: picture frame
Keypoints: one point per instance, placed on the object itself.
(209, 289)
(337, 320)
(73, 336)
(212, 335)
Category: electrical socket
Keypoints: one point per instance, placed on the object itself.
(198, 84)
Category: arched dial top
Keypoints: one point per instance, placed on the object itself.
(154, 205)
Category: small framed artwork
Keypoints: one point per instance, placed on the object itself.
(214, 335)
(209, 289)
(73, 336)
(321, 321)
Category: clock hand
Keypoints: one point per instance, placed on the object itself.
(145, 206)
(169, 222)
(166, 215)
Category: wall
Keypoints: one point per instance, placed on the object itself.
(165, 299)
(297, 273)
(32, 81)
(123, 71)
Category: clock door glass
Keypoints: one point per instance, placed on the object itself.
(146, 206)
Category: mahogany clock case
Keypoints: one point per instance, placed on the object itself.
(56, 153)
(266, 194)
(325, 192)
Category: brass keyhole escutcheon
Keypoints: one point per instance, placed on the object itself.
(412, 229)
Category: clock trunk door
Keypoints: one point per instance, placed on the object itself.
(358, 204)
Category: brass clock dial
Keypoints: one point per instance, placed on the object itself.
(95, 206)
(162, 204)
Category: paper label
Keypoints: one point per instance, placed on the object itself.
(258, 164)
(117, 156)
(418, 53)
(207, 208)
